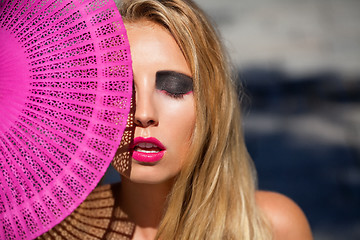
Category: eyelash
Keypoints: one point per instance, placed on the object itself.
(174, 95)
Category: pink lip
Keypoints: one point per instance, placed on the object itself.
(147, 157)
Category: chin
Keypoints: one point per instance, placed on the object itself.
(149, 180)
(150, 175)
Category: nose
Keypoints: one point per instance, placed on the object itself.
(145, 109)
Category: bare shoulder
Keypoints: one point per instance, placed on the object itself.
(288, 220)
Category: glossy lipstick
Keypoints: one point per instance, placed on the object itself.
(147, 149)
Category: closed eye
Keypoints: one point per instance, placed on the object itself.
(174, 84)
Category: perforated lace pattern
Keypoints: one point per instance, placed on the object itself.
(65, 95)
(98, 217)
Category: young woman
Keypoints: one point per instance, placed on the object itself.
(190, 176)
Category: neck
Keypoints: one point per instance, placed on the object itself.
(144, 204)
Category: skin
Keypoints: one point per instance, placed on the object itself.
(286, 217)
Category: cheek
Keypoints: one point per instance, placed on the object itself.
(180, 138)
(178, 115)
(180, 110)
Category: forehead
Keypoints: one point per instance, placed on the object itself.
(153, 45)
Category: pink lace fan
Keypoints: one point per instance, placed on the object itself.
(65, 91)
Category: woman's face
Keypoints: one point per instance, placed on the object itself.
(165, 109)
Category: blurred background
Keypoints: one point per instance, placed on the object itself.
(299, 62)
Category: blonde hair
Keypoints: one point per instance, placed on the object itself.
(214, 194)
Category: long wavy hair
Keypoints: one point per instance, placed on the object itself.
(214, 195)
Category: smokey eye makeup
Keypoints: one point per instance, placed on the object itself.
(174, 84)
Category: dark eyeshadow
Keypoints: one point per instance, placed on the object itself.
(174, 82)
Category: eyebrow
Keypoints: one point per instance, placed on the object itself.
(163, 78)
